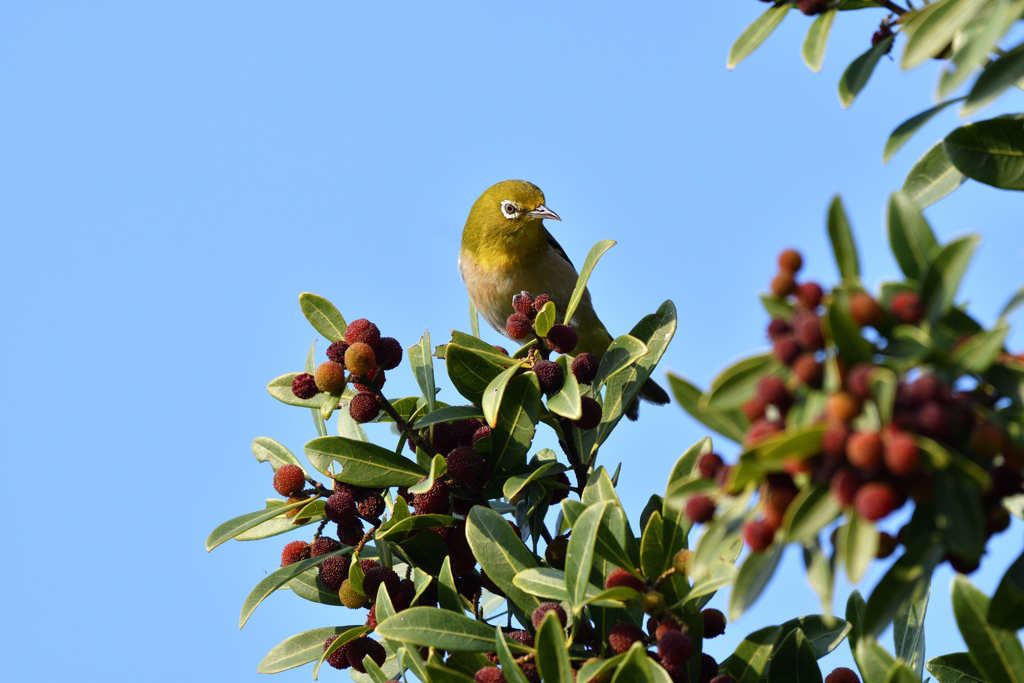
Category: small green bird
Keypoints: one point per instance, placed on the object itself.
(506, 250)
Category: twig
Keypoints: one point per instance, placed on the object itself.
(406, 428)
(892, 7)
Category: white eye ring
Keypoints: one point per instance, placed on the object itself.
(509, 209)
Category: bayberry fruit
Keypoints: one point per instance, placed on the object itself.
(336, 351)
(359, 358)
(783, 284)
(902, 456)
(907, 307)
(322, 546)
(350, 532)
(371, 505)
(708, 464)
(339, 658)
(808, 295)
(562, 338)
(808, 370)
(330, 377)
(296, 551)
(545, 607)
(786, 349)
(361, 648)
(584, 366)
(350, 597)
(466, 466)
(435, 501)
(364, 407)
(791, 260)
(864, 310)
(591, 414)
(489, 674)
(844, 485)
(700, 509)
(758, 534)
(364, 331)
(518, 326)
(842, 407)
(481, 433)
(622, 636)
(304, 386)
(340, 507)
(778, 327)
(554, 554)
(714, 623)
(550, 376)
(620, 577)
(540, 302)
(523, 303)
(389, 353)
(333, 572)
(377, 576)
(842, 675)
(445, 438)
(289, 480)
(772, 390)
(864, 450)
(465, 429)
(875, 500)
(807, 330)
(675, 647)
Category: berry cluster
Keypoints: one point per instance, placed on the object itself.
(365, 355)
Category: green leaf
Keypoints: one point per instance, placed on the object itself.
(281, 389)
(859, 72)
(275, 580)
(720, 534)
(959, 507)
(1015, 301)
(813, 50)
(908, 628)
(909, 128)
(934, 28)
(995, 652)
(677, 524)
(363, 463)
(730, 423)
(545, 319)
(794, 661)
(812, 509)
(552, 653)
(568, 401)
(423, 368)
(845, 332)
(441, 629)
(500, 553)
(448, 414)
(267, 450)
(842, 241)
(307, 587)
(608, 544)
(787, 445)
(509, 668)
(512, 434)
(943, 277)
(313, 512)
(873, 660)
(595, 667)
(738, 383)
(549, 584)
(755, 572)
(323, 316)
(882, 383)
(474, 320)
(976, 40)
(824, 634)
(991, 152)
(396, 530)
(345, 637)
(855, 607)
(911, 238)
(900, 583)
(621, 353)
(900, 672)
(858, 539)
(302, 648)
(484, 349)
(932, 177)
(994, 80)
(716, 576)
(494, 392)
(515, 484)
(634, 668)
(596, 252)
(955, 668)
(1007, 608)
(470, 371)
(652, 552)
(819, 573)
(580, 554)
(242, 523)
(746, 664)
(755, 34)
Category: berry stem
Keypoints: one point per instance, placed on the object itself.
(406, 428)
(892, 7)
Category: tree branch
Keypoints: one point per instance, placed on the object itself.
(406, 428)
(892, 7)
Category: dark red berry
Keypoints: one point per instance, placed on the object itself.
(545, 607)
(833, 441)
(591, 414)
(435, 501)
(540, 302)
(378, 575)
(754, 409)
(808, 295)
(465, 429)
(758, 534)
(364, 407)
(304, 386)
(772, 390)
(620, 577)
(371, 505)
(364, 331)
(902, 456)
(708, 668)
(562, 492)
(289, 480)
(844, 485)
(481, 433)
(714, 623)
(296, 551)
(700, 509)
(550, 375)
(786, 349)
(376, 377)
(708, 464)
(812, 7)
(842, 675)
(562, 338)
(501, 349)
(675, 647)
(350, 532)
(523, 303)
(360, 648)
(445, 438)
(584, 366)
(886, 545)
(622, 636)
(323, 545)
(489, 674)
(807, 330)
(340, 507)
(333, 571)
(336, 351)
(875, 500)
(466, 466)
(518, 326)
(389, 353)
(339, 658)
(778, 327)
(907, 307)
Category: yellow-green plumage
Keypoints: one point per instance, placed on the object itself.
(506, 250)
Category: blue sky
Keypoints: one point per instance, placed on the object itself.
(173, 176)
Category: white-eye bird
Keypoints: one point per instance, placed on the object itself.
(507, 250)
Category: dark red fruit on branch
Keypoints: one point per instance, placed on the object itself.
(340, 507)
(772, 390)
(808, 370)
(790, 260)
(336, 351)
(322, 546)
(622, 636)
(857, 381)
(523, 303)
(758, 534)
(591, 414)
(296, 551)
(376, 377)
(807, 330)
(675, 647)
(987, 441)
(708, 464)
(562, 338)
(759, 431)
(444, 438)
(902, 456)
(844, 485)
(339, 658)
(540, 302)
(714, 623)
(489, 674)
(389, 353)
(289, 480)
(467, 467)
(933, 420)
(864, 450)
(304, 386)
(783, 284)
(708, 668)
(786, 349)
(360, 648)
(808, 295)
(875, 500)
(435, 501)
(377, 576)
(997, 520)
(465, 429)
(364, 407)
(371, 505)
(549, 375)
(542, 609)
(330, 377)
(584, 367)
(700, 509)
(530, 671)
(842, 675)
(864, 310)
(364, 331)
(754, 409)
(554, 554)
(833, 441)
(907, 307)
(333, 572)
(518, 326)
(620, 577)
(350, 532)
(925, 388)
(481, 433)
(778, 327)
(360, 358)
(561, 493)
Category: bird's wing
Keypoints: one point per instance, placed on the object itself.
(557, 247)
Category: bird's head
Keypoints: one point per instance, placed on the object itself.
(505, 209)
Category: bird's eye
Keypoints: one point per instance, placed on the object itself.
(509, 209)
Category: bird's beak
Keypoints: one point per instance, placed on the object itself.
(543, 212)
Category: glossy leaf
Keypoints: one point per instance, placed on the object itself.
(481, 347)
(495, 392)
(323, 316)
(955, 668)
(873, 660)
(858, 539)
(943, 277)
(842, 241)
(442, 629)
(363, 463)
(859, 72)
(580, 553)
(634, 667)
(911, 238)
(545, 319)
(568, 401)
(737, 383)
(934, 28)
(715, 576)
(812, 509)
(500, 553)
(900, 583)
(307, 586)
(853, 348)
(474, 320)
(729, 423)
(242, 523)
(470, 371)
(813, 50)
(820, 573)
(281, 389)
(608, 544)
(1013, 304)
(595, 253)
(824, 634)
(448, 414)
(652, 553)
(313, 512)
(267, 450)
(1007, 608)
(975, 42)
(755, 34)
(423, 368)
(900, 672)
(909, 128)
(513, 432)
(748, 661)
(908, 627)
(994, 80)
(552, 653)
(794, 661)
(275, 580)
(995, 652)
(676, 523)
(621, 353)
(991, 152)
(302, 648)
(755, 573)
(933, 177)
(511, 671)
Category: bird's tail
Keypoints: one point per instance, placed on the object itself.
(651, 392)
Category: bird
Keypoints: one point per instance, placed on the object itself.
(507, 250)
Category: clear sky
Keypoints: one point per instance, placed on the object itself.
(173, 175)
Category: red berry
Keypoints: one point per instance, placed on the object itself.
(791, 260)
(558, 494)
(808, 295)
(435, 501)
(758, 534)
(296, 551)
(562, 338)
(333, 572)
(364, 331)
(772, 390)
(622, 636)
(523, 303)
(584, 366)
(864, 450)
(591, 414)
(714, 623)
(902, 456)
(842, 675)
(467, 467)
(700, 509)
(807, 330)
(542, 609)
(708, 668)
(675, 647)
(336, 351)
(808, 370)
(322, 546)
(304, 386)
(389, 353)
(857, 381)
(760, 430)
(371, 505)
(289, 480)
(540, 302)
(481, 433)
(364, 407)
(864, 310)
(875, 500)
(778, 327)
(465, 429)
(754, 409)
(907, 307)
(833, 441)
(620, 577)
(340, 507)
(550, 376)
(350, 532)
(377, 576)
(786, 349)
(932, 420)
(376, 377)
(842, 407)
(708, 464)
(445, 438)
(339, 658)
(489, 674)
(518, 326)
(360, 648)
